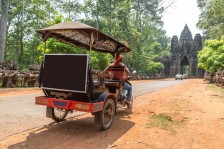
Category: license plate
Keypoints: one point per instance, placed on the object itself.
(59, 103)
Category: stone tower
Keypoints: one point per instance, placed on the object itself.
(184, 54)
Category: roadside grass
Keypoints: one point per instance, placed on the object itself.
(163, 121)
(178, 104)
(218, 90)
(215, 88)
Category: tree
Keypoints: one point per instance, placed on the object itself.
(137, 23)
(24, 18)
(3, 27)
(212, 17)
(211, 57)
(70, 8)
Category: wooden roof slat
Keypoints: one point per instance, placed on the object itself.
(79, 34)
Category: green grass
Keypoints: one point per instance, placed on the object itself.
(215, 88)
(161, 120)
(219, 91)
(177, 104)
(164, 121)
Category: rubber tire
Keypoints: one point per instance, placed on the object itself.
(56, 118)
(99, 116)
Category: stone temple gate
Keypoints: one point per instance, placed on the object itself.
(184, 54)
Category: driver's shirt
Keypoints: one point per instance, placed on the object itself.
(117, 70)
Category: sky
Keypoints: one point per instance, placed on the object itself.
(182, 12)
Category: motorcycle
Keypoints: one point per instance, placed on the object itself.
(122, 96)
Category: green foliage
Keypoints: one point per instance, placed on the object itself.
(99, 61)
(24, 18)
(211, 57)
(156, 48)
(212, 17)
(146, 64)
(155, 67)
(54, 46)
(136, 23)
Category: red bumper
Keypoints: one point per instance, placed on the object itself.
(69, 104)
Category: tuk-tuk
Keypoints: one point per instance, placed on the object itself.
(67, 79)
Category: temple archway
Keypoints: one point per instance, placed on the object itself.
(184, 53)
(184, 65)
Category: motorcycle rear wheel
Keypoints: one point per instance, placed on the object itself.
(59, 115)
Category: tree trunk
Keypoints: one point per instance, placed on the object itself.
(21, 34)
(97, 15)
(137, 15)
(3, 27)
(110, 17)
(69, 9)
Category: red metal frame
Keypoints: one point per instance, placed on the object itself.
(69, 104)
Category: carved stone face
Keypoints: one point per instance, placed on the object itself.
(185, 47)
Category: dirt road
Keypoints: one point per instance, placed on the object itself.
(190, 115)
(18, 107)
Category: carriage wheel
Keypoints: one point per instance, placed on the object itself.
(59, 115)
(105, 117)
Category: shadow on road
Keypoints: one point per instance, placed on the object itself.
(78, 133)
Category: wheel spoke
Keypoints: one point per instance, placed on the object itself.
(106, 117)
(108, 113)
(60, 114)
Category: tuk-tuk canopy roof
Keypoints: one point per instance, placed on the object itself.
(83, 35)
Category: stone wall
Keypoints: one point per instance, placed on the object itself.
(10, 76)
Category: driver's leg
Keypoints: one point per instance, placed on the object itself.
(129, 89)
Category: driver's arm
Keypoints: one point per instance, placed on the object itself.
(107, 70)
(127, 72)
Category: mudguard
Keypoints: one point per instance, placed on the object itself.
(104, 96)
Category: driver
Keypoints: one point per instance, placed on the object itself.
(117, 71)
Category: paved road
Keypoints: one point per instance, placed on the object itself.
(19, 113)
(144, 88)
